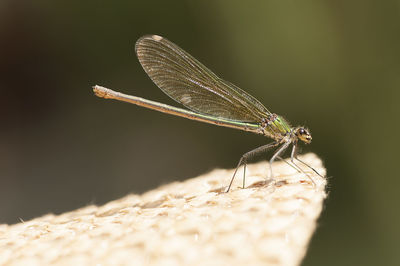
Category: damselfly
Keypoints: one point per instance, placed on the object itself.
(209, 99)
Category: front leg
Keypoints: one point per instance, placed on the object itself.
(294, 156)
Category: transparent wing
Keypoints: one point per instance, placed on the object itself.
(190, 83)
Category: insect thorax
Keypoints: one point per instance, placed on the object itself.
(275, 127)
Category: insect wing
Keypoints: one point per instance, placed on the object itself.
(190, 83)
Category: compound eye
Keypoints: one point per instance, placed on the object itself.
(302, 131)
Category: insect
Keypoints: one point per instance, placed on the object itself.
(210, 99)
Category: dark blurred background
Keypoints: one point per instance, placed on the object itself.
(331, 65)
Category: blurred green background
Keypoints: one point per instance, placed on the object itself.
(331, 65)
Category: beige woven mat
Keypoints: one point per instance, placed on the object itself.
(182, 223)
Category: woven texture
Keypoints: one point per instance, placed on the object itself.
(182, 223)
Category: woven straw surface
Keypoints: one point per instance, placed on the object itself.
(182, 223)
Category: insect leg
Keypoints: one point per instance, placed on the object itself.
(243, 160)
(276, 154)
(309, 166)
(294, 156)
(294, 166)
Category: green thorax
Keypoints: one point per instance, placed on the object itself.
(276, 127)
